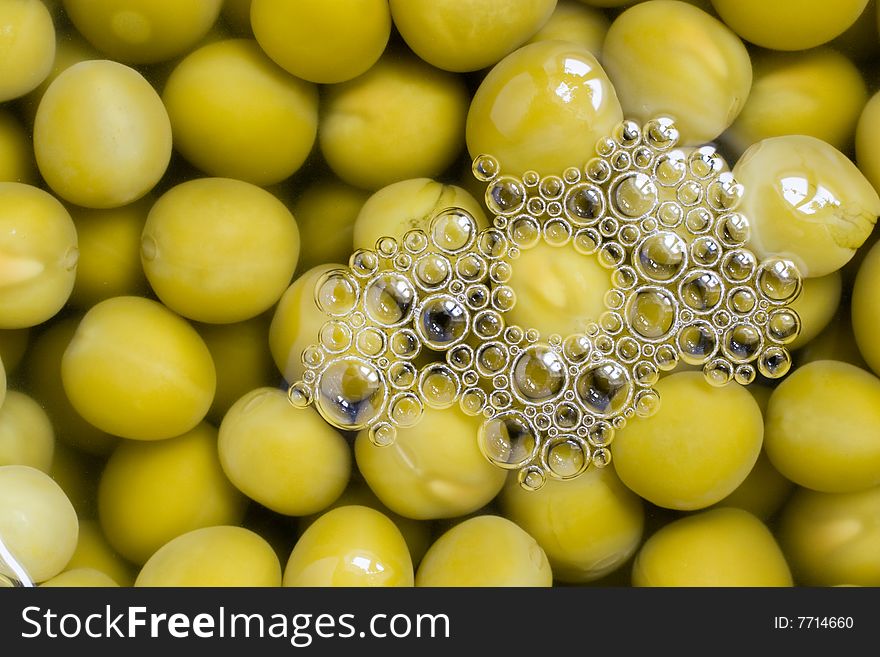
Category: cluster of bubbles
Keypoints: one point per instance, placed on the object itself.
(420, 322)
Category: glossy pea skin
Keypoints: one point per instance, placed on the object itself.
(350, 546)
(671, 58)
(542, 108)
(409, 204)
(806, 201)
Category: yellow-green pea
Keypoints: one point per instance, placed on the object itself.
(17, 162)
(70, 48)
(26, 435)
(43, 378)
(719, 547)
(467, 35)
(542, 108)
(866, 308)
(80, 577)
(219, 250)
(13, 344)
(322, 41)
(213, 556)
(109, 263)
(588, 526)
(409, 204)
(287, 459)
(325, 213)
(836, 342)
(823, 427)
(237, 14)
(833, 539)
(789, 24)
(241, 358)
(416, 533)
(671, 58)
(805, 201)
(38, 255)
(819, 93)
(763, 492)
(137, 370)
(95, 553)
(143, 31)
(236, 114)
(558, 290)
(101, 135)
(350, 546)
(432, 470)
(485, 551)
(816, 306)
(27, 41)
(572, 21)
(151, 492)
(296, 323)
(868, 141)
(77, 473)
(699, 446)
(401, 119)
(38, 524)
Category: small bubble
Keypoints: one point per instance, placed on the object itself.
(587, 241)
(453, 230)
(690, 192)
(779, 280)
(389, 299)
(439, 386)
(299, 394)
(485, 168)
(604, 388)
(598, 170)
(718, 372)
(531, 479)
(557, 232)
(633, 196)
(524, 231)
(661, 257)
(697, 342)
(551, 187)
(566, 456)
(508, 440)
(774, 362)
(473, 401)
(783, 326)
(505, 195)
(382, 435)
(701, 291)
(363, 263)
(415, 241)
(647, 403)
(386, 247)
(406, 410)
